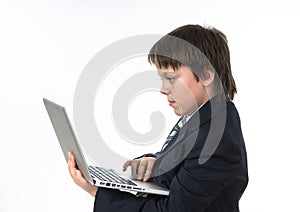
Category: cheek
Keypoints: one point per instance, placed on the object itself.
(192, 93)
(184, 93)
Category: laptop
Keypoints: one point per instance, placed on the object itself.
(99, 176)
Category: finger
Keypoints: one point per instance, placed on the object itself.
(72, 169)
(71, 158)
(149, 169)
(69, 161)
(72, 165)
(134, 167)
(126, 164)
(79, 179)
(142, 169)
(77, 176)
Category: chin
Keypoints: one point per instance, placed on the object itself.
(177, 112)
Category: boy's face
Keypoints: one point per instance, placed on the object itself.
(183, 91)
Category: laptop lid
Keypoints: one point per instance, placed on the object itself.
(69, 143)
(66, 136)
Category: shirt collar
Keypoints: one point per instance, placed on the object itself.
(187, 117)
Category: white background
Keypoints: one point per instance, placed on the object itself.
(44, 46)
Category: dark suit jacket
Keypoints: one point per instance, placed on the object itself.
(205, 168)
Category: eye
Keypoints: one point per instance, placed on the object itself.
(170, 78)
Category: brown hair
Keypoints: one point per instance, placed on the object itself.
(177, 48)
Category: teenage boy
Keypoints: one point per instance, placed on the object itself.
(203, 162)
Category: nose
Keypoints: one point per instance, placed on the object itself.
(164, 89)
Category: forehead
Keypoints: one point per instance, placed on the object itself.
(182, 70)
(166, 71)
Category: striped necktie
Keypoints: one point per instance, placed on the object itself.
(174, 133)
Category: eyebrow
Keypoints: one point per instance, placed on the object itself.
(166, 74)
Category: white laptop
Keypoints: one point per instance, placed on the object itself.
(98, 176)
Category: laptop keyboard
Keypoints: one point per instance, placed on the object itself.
(109, 176)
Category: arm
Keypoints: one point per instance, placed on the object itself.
(183, 197)
(109, 199)
(193, 187)
(217, 184)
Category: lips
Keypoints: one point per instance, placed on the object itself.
(171, 102)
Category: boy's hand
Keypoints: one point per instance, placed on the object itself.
(142, 167)
(78, 178)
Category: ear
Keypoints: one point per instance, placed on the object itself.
(209, 76)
